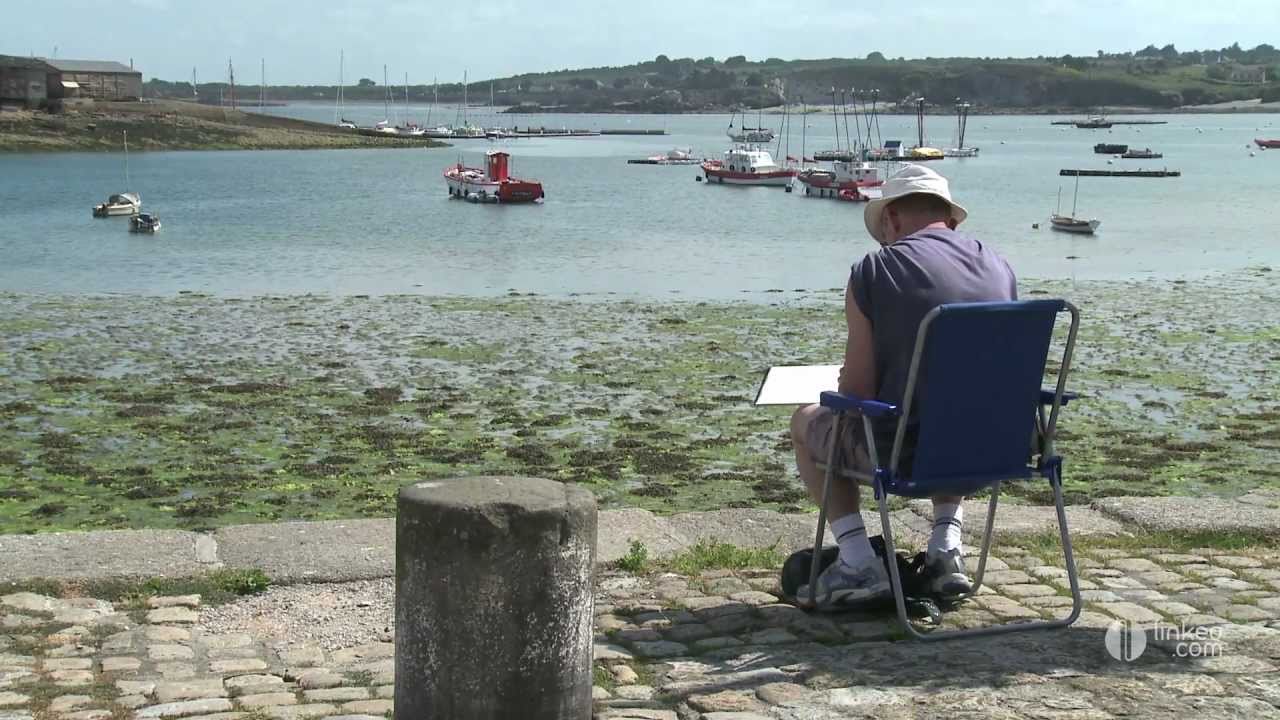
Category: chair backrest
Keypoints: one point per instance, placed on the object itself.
(976, 391)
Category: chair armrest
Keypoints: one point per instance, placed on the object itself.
(868, 408)
(1046, 397)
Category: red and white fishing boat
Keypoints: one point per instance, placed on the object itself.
(846, 180)
(1268, 144)
(747, 165)
(491, 184)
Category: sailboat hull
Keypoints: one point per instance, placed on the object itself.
(1072, 225)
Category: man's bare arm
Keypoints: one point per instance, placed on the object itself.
(858, 376)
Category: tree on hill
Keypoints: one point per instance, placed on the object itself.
(735, 61)
(875, 56)
(755, 79)
(366, 82)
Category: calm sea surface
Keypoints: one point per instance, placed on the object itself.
(379, 221)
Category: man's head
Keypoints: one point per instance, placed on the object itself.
(913, 199)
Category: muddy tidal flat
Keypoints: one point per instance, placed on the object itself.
(195, 411)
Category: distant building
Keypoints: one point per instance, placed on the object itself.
(32, 81)
(1248, 74)
(23, 81)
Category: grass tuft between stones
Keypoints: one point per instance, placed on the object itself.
(214, 588)
(703, 555)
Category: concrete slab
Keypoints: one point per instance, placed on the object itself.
(1013, 521)
(1188, 514)
(326, 551)
(99, 555)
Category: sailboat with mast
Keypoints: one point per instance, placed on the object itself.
(125, 203)
(384, 125)
(440, 131)
(466, 130)
(408, 128)
(962, 124)
(339, 107)
(759, 134)
(1071, 223)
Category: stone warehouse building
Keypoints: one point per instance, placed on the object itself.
(33, 81)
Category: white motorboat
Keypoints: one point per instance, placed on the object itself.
(747, 165)
(120, 204)
(438, 132)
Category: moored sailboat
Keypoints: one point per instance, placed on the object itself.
(125, 203)
(1071, 223)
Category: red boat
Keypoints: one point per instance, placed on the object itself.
(846, 180)
(493, 184)
(1268, 144)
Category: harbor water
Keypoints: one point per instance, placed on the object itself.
(379, 221)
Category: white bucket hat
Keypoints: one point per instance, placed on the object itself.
(909, 180)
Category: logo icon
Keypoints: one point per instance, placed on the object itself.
(1125, 641)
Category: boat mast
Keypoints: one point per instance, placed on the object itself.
(262, 88)
(920, 121)
(835, 116)
(435, 95)
(465, 122)
(844, 109)
(1059, 210)
(231, 73)
(337, 109)
(804, 129)
(1075, 196)
(406, 98)
(195, 92)
(875, 113)
(126, 162)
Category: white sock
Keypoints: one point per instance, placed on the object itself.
(851, 536)
(948, 519)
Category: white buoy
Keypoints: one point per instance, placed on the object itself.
(1252, 154)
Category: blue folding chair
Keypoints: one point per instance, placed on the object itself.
(975, 378)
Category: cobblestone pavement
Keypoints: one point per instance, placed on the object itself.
(718, 646)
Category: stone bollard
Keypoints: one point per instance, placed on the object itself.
(494, 600)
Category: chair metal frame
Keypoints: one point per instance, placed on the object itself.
(1048, 465)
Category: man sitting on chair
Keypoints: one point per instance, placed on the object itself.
(923, 262)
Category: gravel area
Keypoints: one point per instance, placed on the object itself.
(330, 615)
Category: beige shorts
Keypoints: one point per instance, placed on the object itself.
(852, 451)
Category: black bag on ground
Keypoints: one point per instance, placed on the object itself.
(915, 588)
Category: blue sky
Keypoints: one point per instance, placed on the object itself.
(300, 40)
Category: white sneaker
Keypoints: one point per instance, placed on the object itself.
(840, 586)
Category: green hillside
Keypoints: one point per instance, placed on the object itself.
(1160, 78)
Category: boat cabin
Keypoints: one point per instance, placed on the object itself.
(749, 160)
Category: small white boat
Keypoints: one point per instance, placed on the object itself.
(469, 131)
(144, 223)
(120, 204)
(672, 157)
(385, 126)
(438, 132)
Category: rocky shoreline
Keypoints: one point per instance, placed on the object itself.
(170, 125)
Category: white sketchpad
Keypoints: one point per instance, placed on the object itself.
(797, 384)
